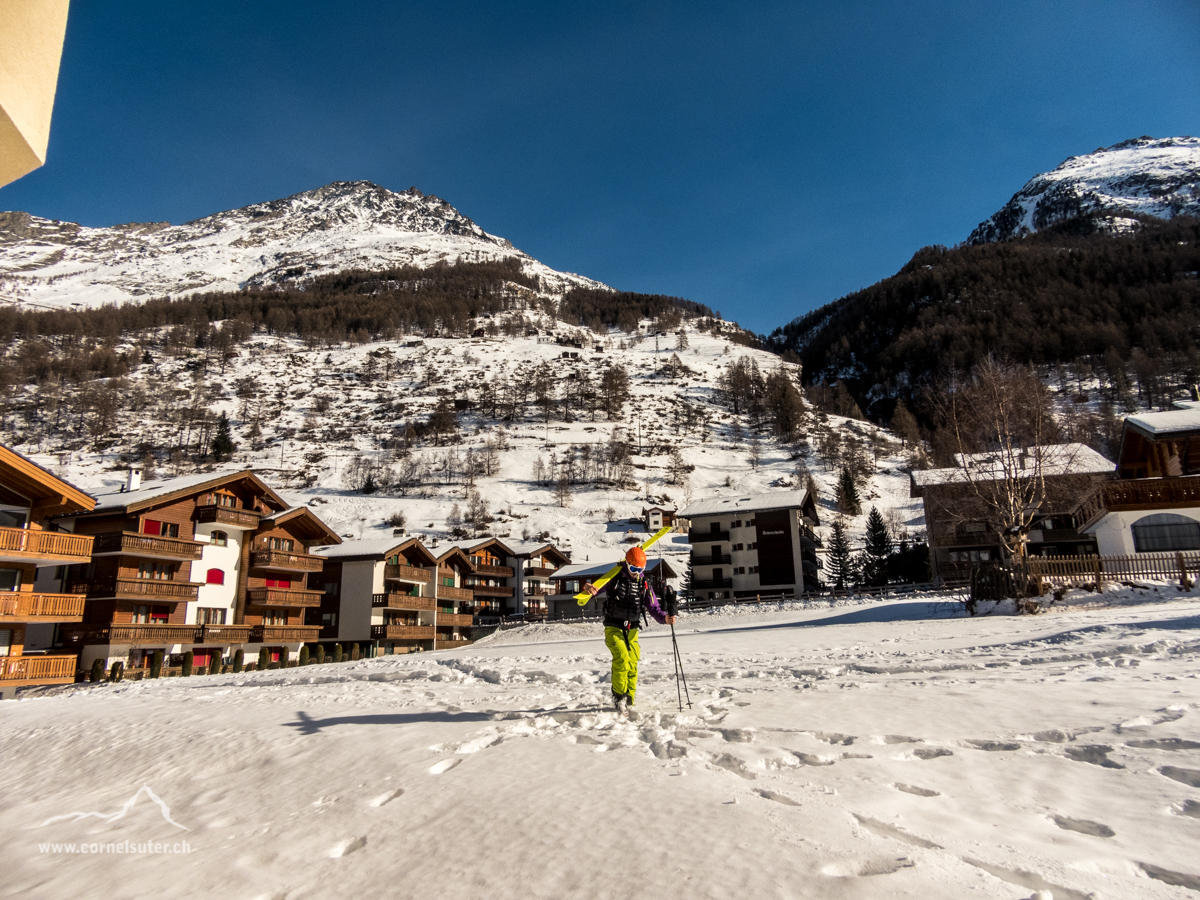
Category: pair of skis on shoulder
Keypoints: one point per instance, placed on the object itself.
(583, 596)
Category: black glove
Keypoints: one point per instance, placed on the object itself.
(670, 601)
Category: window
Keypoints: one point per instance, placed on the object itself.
(207, 615)
(284, 583)
(155, 571)
(970, 556)
(1165, 532)
(274, 617)
(150, 615)
(331, 588)
(736, 524)
(448, 582)
(10, 579)
(226, 500)
(285, 544)
(219, 539)
(160, 529)
(13, 516)
(329, 620)
(5, 641)
(215, 576)
(754, 570)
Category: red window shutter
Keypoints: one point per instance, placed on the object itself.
(151, 526)
(284, 583)
(215, 576)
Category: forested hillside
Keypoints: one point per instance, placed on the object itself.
(1125, 307)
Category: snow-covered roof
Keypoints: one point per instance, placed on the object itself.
(1057, 459)
(1186, 417)
(590, 570)
(150, 491)
(377, 547)
(716, 506)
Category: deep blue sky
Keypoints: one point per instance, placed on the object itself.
(763, 158)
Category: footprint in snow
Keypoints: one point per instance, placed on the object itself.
(1189, 808)
(1165, 744)
(1190, 777)
(900, 739)
(918, 791)
(1096, 754)
(997, 746)
(346, 847)
(444, 766)
(386, 798)
(1083, 826)
(778, 798)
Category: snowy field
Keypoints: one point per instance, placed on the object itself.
(867, 750)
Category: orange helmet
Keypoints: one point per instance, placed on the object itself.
(636, 557)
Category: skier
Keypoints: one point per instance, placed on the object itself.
(629, 597)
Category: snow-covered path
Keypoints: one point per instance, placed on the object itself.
(882, 750)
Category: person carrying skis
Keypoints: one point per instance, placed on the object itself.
(628, 597)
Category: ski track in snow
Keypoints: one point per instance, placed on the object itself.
(854, 751)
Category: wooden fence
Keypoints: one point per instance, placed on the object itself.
(1034, 575)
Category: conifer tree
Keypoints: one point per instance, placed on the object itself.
(222, 443)
(840, 560)
(878, 550)
(904, 423)
(847, 493)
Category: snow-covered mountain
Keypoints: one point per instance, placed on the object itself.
(1156, 177)
(344, 225)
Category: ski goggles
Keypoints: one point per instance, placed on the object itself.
(635, 570)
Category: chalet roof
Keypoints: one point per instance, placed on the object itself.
(665, 509)
(315, 524)
(1057, 459)
(152, 492)
(1184, 418)
(468, 546)
(44, 489)
(595, 570)
(372, 548)
(535, 548)
(452, 551)
(715, 506)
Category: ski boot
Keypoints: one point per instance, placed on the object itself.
(621, 701)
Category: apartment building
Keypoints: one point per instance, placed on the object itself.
(759, 544)
(492, 581)
(961, 529)
(32, 550)
(657, 517)
(521, 572)
(1152, 504)
(210, 563)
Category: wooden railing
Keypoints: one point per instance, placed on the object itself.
(135, 635)
(283, 560)
(136, 544)
(452, 619)
(402, 632)
(38, 668)
(451, 645)
(283, 597)
(491, 590)
(139, 589)
(406, 573)
(395, 600)
(228, 515)
(445, 592)
(1092, 569)
(494, 571)
(1136, 494)
(284, 633)
(46, 544)
(58, 607)
(539, 571)
(224, 634)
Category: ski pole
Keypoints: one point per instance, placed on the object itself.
(675, 654)
(679, 663)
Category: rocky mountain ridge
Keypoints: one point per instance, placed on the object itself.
(1148, 176)
(343, 225)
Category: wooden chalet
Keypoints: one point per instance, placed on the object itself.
(30, 497)
(210, 563)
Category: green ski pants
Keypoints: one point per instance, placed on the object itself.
(625, 659)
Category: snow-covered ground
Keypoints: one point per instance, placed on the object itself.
(868, 750)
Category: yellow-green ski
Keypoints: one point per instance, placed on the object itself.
(583, 596)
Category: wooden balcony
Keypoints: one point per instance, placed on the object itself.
(284, 561)
(22, 606)
(491, 590)
(708, 537)
(44, 548)
(441, 644)
(139, 589)
(131, 543)
(395, 600)
(450, 620)
(495, 571)
(242, 519)
(407, 573)
(453, 593)
(132, 635)
(38, 669)
(286, 634)
(539, 571)
(1136, 494)
(283, 597)
(224, 634)
(402, 632)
